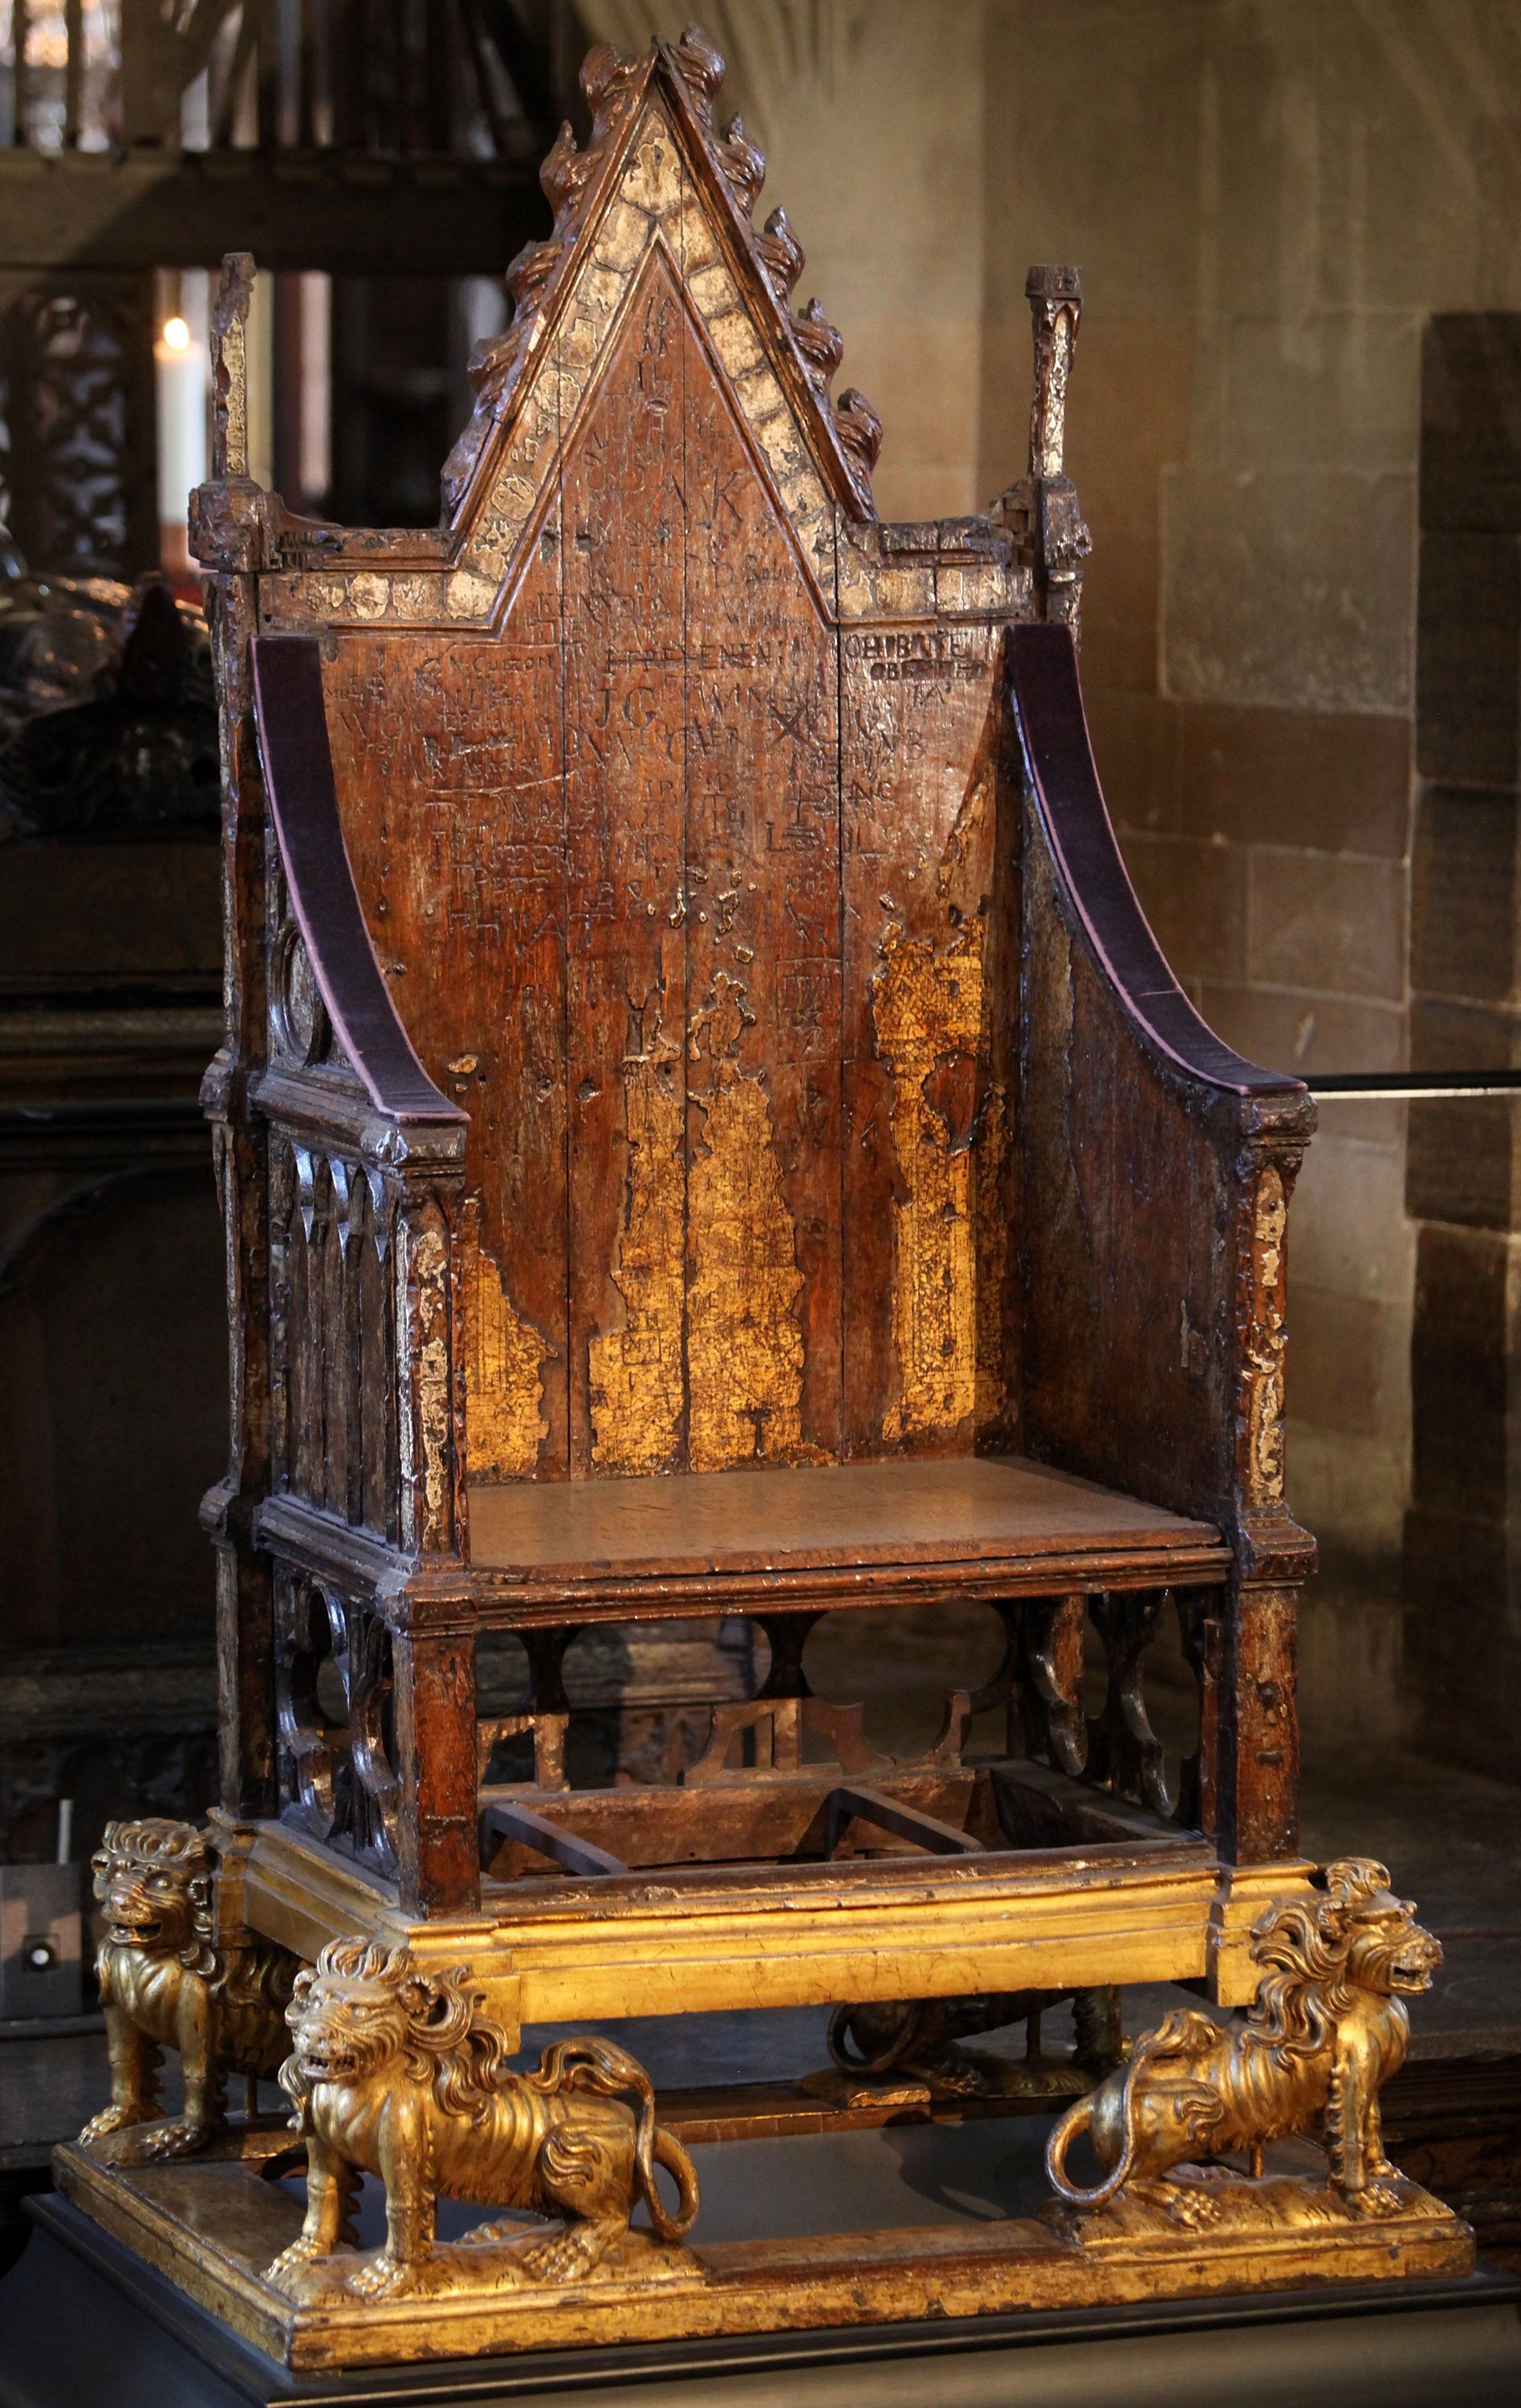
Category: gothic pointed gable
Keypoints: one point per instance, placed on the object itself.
(657, 181)
(656, 176)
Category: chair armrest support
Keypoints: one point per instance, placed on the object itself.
(1156, 1170)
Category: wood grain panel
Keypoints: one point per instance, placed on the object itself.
(626, 685)
(926, 1053)
(449, 758)
(763, 963)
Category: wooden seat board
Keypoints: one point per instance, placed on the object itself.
(959, 1509)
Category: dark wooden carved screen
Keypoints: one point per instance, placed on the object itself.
(684, 870)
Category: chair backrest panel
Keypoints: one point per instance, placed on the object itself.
(684, 873)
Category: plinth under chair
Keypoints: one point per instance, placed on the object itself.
(705, 1130)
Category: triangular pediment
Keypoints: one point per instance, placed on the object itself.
(656, 181)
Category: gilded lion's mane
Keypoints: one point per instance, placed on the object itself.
(156, 1845)
(449, 2037)
(1306, 1945)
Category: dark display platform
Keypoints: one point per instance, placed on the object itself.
(81, 2321)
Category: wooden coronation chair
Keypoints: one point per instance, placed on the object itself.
(705, 1130)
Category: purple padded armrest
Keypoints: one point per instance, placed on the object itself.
(304, 804)
(1054, 730)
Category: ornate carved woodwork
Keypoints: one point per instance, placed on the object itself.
(705, 1129)
(675, 1196)
(1329, 2028)
(398, 2073)
(77, 474)
(173, 1974)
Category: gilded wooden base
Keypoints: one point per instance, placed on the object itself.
(213, 2224)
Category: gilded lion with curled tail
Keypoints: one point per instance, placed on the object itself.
(1327, 2027)
(397, 2072)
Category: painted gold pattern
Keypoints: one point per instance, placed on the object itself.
(1266, 1339)
(744, 1340)
(423, 1269)
(637, 1390)
(504, 1364)
(928, 1013)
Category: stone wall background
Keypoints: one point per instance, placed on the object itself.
(1268, 200)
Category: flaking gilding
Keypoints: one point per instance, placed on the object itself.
(504, 1368)
(744, 1339)
(536, 380)
(928, 1011)
(637, 1387)
(1266, 1341)
(426, 1430)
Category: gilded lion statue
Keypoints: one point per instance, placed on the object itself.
(397, 2072)
(1327, 2027)
(166, 1983)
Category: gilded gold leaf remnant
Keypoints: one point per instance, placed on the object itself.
(504, 1363)
(928, 1011)
(991, 1150)
(1266, 1338)
(744, 1341)
(637, 1390)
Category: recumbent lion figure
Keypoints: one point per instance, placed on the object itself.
(398, 2073)
(164, 1984)
(1327, 2027)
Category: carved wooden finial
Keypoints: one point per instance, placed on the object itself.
(701, 65)
(859, 429)
(563, 173)
(229, 367)
(783, 255)
(743, 163)
(605, 74)
(1056, 299)
(822, 345)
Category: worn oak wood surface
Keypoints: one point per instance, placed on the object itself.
(866, 1513)
(707, 1126)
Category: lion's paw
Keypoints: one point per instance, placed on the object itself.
(486, 2236)
(101, 2127)
(293, 2262)
(564, 2257)
(384, 2277)
(1378, 2197)
(179, 2138)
